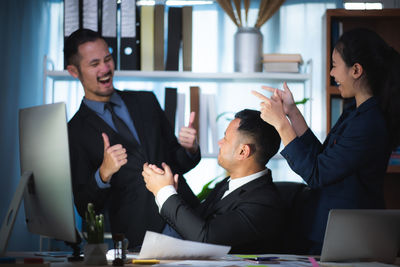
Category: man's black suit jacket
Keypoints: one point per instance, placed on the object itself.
(130, 206)
(249, 219)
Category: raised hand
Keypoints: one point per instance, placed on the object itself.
(187, 136)
(114, 158)
(272, 109)
(156, 178)
(285, 95)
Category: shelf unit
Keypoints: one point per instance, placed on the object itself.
(52, 76)
(385, 22)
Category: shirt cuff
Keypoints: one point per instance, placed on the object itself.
(163, 194)
(100, 182)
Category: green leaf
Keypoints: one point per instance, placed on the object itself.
(205, 191)
(225, 113)
(303, 101)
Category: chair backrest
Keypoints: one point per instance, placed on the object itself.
(295, 196)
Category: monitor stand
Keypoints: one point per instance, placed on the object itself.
(9, 220)
(76, 249)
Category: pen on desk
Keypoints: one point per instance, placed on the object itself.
(263, 259)
(152, 261)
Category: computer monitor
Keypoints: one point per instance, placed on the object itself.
(45, 183)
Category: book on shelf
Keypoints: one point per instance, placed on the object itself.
(174, 38)
(283, 58)
(170, 104)
(281, 66)
(187, 37)
(159, 37)
(147, 38)
(195, 104)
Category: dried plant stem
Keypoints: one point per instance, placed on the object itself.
(261, 10)
(227, 6)
(246, 9)
(238, 11)
(268, 11)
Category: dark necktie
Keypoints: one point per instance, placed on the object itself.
(119, 124)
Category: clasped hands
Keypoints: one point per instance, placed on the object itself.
(157, 178)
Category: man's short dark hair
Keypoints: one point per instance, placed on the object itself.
(78, 37)
(266, 139)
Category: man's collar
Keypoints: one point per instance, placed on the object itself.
(98, 106)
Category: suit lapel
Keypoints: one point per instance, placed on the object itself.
(233, 197)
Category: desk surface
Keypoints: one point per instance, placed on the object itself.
(229, 260)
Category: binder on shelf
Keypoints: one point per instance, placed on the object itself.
(130, 32)
(195, 105)
(159, 37)
(170, 103)
(147, 38)
(90, 16)
(108, 26)
(174, 37)
(72, 19)
(187, 37)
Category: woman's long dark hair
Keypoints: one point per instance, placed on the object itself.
(381, 64)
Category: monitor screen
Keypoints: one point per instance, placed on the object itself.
(44, 151)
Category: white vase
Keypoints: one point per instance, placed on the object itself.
(248, 50)
(95, 254)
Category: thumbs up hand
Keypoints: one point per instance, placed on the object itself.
(114, 157)
(187, 136)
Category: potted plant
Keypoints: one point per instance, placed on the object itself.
(95, 250)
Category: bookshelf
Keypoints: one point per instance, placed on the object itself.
(51, 77)
(385, 22)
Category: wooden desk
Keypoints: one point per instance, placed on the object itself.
(65, 263)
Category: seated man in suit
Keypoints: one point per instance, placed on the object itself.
(112, 135)
(249, 215)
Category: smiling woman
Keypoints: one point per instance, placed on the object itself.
(347, 170)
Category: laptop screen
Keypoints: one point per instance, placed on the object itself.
(362, 235)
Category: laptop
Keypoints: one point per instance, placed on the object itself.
(362, 235)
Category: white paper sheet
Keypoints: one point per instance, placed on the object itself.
(158, 246)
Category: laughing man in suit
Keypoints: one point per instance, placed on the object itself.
(249, 215)
(107, 154)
